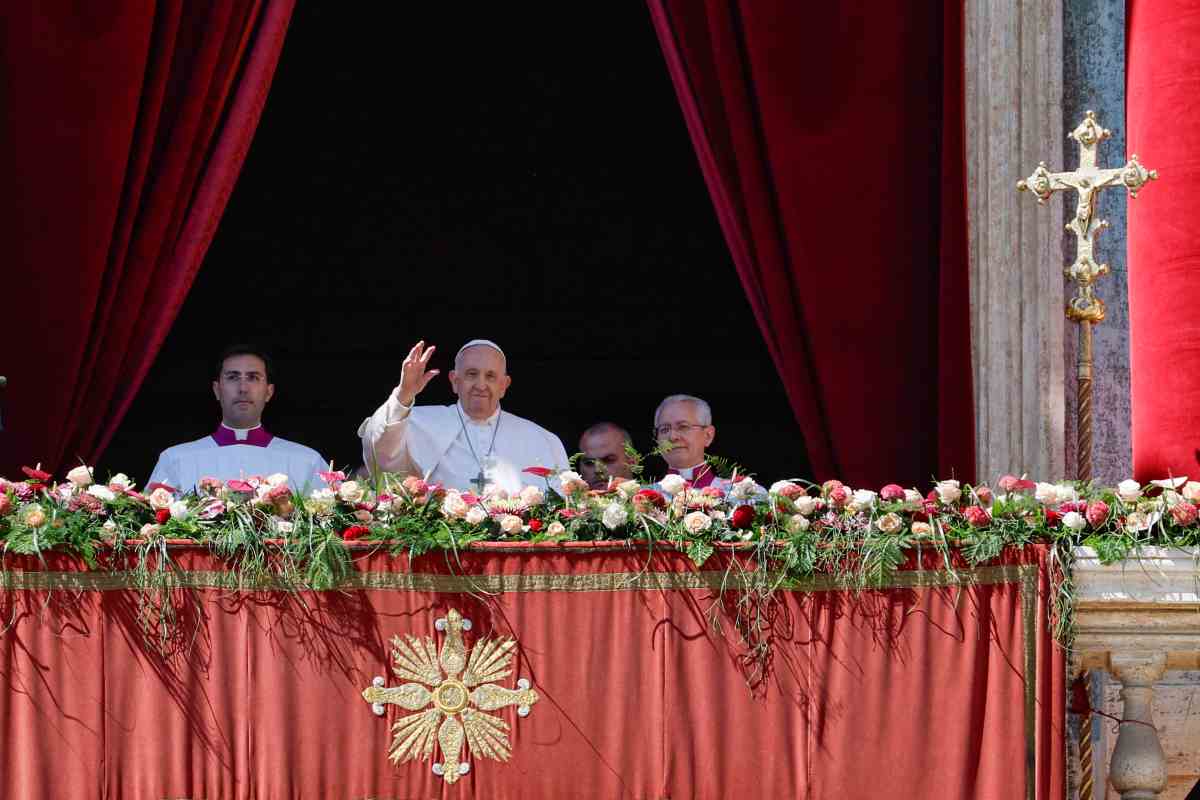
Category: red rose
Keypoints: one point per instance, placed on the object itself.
(535, 525)
(1097, 513)
(541, 472)
(36, 474)
(1184, 513)
(355, 532)
(645, 499)
(892, 492)
(1078, 506)
(1052, 517)
(742, 518)
(161, 516)
(977, 516)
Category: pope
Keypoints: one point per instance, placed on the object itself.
(472, 444)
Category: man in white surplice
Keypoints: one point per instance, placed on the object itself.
(470, 445)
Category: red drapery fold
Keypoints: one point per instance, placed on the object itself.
(831, 139)
(127, 125)
(953, 691)
(1162, 80)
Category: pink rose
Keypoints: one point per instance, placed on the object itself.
(1183, 513)
(977, 516)
(6, 505)
(984, 494)
(1097, 513)
(840, 496)
(892, 492)
(414, 485)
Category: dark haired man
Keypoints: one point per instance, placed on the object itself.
(240, 446)
(604, 455)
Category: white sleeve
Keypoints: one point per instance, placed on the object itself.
(384, 434)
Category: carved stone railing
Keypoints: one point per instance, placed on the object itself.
(1135, 620)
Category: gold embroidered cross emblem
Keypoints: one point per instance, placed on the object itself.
(459, 686)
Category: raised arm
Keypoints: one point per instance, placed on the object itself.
(383, 433)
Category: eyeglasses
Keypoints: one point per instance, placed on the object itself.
(682, 428)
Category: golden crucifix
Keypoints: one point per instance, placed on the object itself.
(1085, 307)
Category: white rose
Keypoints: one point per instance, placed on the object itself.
(922, 529)
(628, 489)
(511, 524)
(614, 516)
(160, 498)
(1129, 490)
(805, 505)
(555, 529)
(64, 491)
(121, 480)
(1066, 493)
(781, 487)
(1191, 490)
(476, 515)
(672, 484)
(717, 515)
(1074, 520)
(744, 489)
(282, 525)
(571, 482)
(949, 491)
(351, 492)
(81, 476)
(1046, 494)
(109, 525)
(454, 506)
(797, 523)
(913, 496)
(178, 509)
(1170, 483)
(149, 530)
(532, 496)
(889, 523)
(102, 492)
(278, 479)
(697, 521)
(1170, 498)
(1137, 521)
(862, 500)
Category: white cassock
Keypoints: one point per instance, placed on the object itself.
(432, 442)
(234, 453)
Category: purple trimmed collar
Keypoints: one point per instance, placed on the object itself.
(255, 437)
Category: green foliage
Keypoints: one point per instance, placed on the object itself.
(699, 551)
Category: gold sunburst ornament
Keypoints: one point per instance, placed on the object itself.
(452, 692)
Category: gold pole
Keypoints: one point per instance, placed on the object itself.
(1083, 397)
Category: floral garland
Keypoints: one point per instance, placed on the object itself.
(798, 529)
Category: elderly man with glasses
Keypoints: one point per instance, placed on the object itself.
(683, 429)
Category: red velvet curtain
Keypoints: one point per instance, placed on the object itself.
(923, 689)
(1162, 82)
(126, 124)
(831, 138)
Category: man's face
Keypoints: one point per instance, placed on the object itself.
(603, 457)
(679, 426)
(243, 391)
(480, 379)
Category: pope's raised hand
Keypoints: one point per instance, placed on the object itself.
(414, 376)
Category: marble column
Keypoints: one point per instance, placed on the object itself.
(1014, 120)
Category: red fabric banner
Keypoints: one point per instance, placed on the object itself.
(1162, 82)
(831, 137)
(126, 126)
(645, 686)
